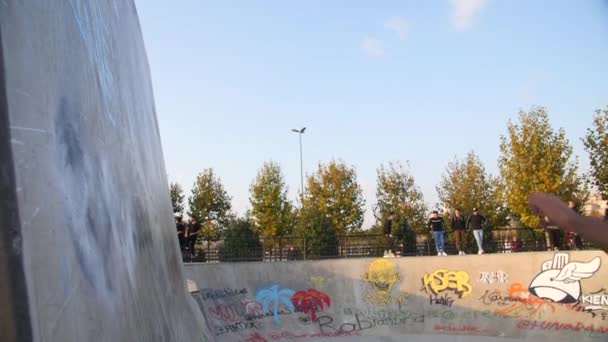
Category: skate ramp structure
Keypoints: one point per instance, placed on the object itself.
(544, 296)
(88, 249)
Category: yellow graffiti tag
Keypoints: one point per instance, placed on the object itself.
(316, 282)
(386, 299)
(442, 280)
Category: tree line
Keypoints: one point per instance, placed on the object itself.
(534, 157)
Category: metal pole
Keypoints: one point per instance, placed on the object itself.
(301, 168)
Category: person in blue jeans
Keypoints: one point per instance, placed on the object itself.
(437, 227)
(476, 222)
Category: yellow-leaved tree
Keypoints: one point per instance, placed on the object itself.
(333, 191)
(271, 212)
(536, 158)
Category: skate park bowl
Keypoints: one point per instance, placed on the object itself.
(533, 296)
(88, 249)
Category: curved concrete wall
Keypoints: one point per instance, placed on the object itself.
(88, 249)
(537, 296)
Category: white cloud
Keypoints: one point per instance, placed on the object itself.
(464, 12)
(373, 47)
(398, 25)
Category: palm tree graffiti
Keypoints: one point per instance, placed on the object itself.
(275, 296)
(310, 301)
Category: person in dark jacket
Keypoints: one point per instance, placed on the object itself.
(181, 231)
(572, 236)
(437, 227)
(459, 227)
(388, 235)
(476, 222)
(192, 233)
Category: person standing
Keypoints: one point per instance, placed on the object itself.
(192, 234)
(437, 227)
(551, 234)
(476, 222)
(181, 231)
(388, 235)
(459, 227)
(574, 238)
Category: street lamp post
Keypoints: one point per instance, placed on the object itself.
(300, 132)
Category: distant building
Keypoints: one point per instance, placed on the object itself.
(595, 206)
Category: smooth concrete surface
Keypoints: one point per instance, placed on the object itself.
(557, 296)
(88, 249)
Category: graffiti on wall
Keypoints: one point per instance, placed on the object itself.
(382, 276)
(235, 311)
(227, 310)
(560, 279)
(317, 282)
(561, 326)
(596, 303)
(518, 302)
(275, 295)
(311, 301)
(538, 302)
(212, 294)
(498, 277)
(445, 280)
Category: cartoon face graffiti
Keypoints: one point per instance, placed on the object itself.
(559, 280)
(382, 276)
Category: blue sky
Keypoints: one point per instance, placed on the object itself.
(374, 81)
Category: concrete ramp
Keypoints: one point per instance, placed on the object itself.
(545, 296)
(87, 249)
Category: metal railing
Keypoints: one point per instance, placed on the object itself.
(363, 245)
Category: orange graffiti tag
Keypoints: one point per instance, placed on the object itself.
(524, 302)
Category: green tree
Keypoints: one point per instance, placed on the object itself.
(596, 145)
(177, 197)
(241, 243)
(536, 158)
(466, 185)
(210, 204)
(334, 192)
(403, 233)
(318, 231)
(271, 211)
(397, 191)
